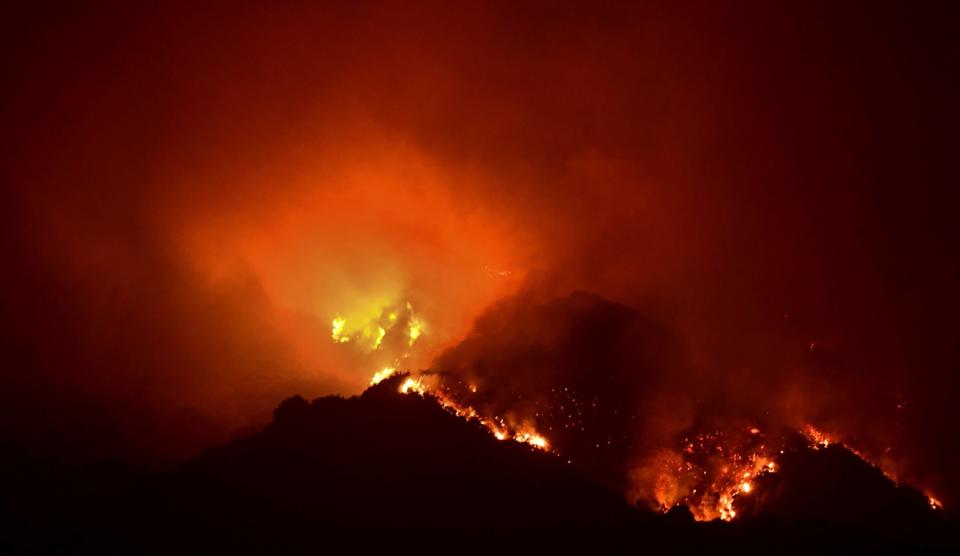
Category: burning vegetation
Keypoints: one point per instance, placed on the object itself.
(370, 335)
(592, 425)
(499, 427)
(368, 329)
(708, 473)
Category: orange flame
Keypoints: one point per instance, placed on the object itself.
(524, 433)
(708, 475)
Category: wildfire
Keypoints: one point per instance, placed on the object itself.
(713, 469)
(413, 385)
(817, 438)
(415, 329)
(532, 438)
(337, 331)
(501, 429)
(709, 472)
(373, 328)
(707, 475)
(382, 375)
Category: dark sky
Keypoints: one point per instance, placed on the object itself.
(191, 194)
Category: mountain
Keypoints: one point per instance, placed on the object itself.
(385, 470)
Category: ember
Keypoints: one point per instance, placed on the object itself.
(429, 386)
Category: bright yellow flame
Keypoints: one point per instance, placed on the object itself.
(746, 487)
(368, 326)
(726, 507)
(415, 329)
(934, 503)
(382, 375)
(380, 334)
(532, 439)
(413, 385)
(337, 331)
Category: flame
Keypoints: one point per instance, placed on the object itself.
(818, 439)
(385, 331)
(501, 429)
(337, 331)
(413, 385)
(707, 475)
(382, 375)
(530, 436)
(381, 332)
(722, 467)
(725, 507)
(415, 329)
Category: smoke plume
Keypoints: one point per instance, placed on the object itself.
(759, 197)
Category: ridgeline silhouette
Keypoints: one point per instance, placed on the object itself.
(390, 470)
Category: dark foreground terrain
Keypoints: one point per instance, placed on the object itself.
(385, 470)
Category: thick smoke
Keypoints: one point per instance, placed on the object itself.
(614, 390)
(191, 195)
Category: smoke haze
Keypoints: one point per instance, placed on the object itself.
(191, 195)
